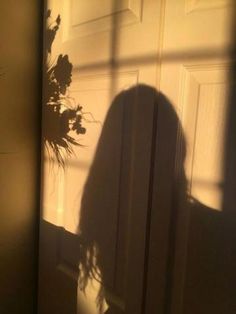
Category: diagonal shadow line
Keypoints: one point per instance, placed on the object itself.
(168, 57)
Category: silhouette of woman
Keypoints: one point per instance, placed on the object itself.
(99, 202)
(99, 215)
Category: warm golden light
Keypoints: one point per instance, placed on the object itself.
(137, 96)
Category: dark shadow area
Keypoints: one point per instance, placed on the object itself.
(54, 297)
(229, 197)
(101, 218)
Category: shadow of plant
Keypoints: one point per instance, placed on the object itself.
(62, 117)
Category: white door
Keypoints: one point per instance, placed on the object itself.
(116, 234)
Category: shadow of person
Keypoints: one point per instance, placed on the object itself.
(103, 228)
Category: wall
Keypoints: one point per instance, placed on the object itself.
(19, 153)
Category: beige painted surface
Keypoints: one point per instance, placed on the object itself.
(19, 154)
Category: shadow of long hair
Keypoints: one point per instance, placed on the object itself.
(99, 201)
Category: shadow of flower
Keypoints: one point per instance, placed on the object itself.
(60, 116)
